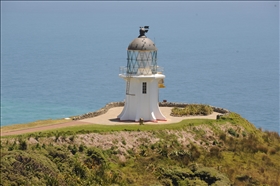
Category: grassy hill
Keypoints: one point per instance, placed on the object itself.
(226, 151)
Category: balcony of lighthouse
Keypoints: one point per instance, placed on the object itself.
(140, 71)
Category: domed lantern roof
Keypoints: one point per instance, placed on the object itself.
(142, 42)
(142, 55)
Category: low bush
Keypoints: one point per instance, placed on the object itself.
(194, 175)
(192, 109)
(215, 152)
(232, 132)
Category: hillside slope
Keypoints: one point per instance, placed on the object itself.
(227, 151)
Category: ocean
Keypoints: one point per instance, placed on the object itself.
(60, 59)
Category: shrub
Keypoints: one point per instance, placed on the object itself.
(243, 178)
(96, 157)
(11, 148)
(57, 135)
(262, 148)
(38, 146)
(192, 109)
(273, 135)
(250, 144)
(51, 180)
(215, 152)
(55, 153)
(205, 110)
(81, 148)
(195, 153)
(123, 142)
(37, 137)
(194, 175)
(272, 151)
(215, 142)
(192, 182)
(232, 132)
(72, 138)
(223, 136)
(73, 149)
(80, 170)
(22, 145)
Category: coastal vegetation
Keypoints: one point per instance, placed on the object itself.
(226, 151)
(192, 109)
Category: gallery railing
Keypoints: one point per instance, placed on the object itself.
(140, 71)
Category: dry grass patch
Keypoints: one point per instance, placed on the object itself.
(33, 124)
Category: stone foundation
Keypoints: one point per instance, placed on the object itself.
(100, 111)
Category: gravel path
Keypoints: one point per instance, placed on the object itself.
(110, 118)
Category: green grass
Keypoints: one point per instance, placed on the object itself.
(98, 128)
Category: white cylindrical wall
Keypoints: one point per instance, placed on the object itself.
(142, 105)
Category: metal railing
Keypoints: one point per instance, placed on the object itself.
(124, 71)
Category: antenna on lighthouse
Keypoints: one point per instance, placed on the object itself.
(143, 30)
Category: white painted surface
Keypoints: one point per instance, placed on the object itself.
(141, 105)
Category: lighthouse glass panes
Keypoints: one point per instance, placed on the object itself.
(141, 62)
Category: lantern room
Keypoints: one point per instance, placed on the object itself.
(142, 55)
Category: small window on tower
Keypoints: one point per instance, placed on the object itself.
(144, 88)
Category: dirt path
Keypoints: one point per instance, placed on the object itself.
(43, 128)
(110, 118)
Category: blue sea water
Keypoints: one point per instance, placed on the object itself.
(60, 59)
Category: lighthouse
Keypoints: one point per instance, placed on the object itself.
(143, 79)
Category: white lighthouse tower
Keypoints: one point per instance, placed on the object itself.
(143, 79)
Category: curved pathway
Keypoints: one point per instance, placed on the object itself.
(109, 118)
